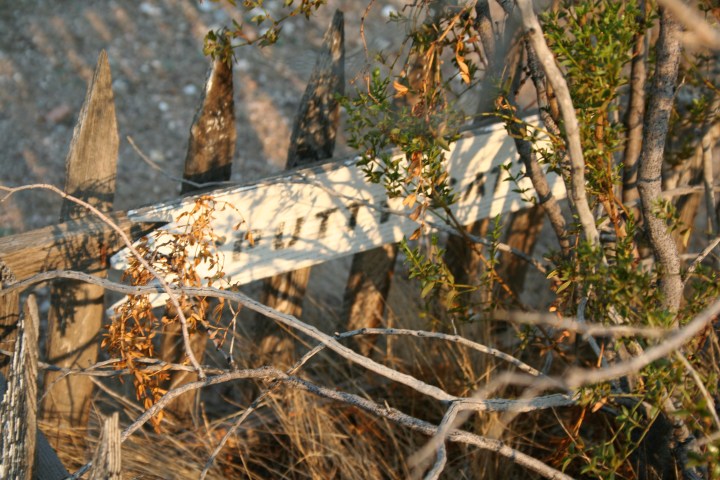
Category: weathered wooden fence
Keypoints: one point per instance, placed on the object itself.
(82, 242)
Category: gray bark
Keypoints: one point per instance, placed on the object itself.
(657, 118)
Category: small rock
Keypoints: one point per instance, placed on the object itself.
(205, 6)
(149, 9)
(190, 90)
(156, 155)
(243, 65)
(59, 113)
(163, 106)
(119, 86)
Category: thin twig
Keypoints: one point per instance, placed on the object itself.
(436, 445)
(709, 401)
(154, 365)
(164, 173)
(587, 328)
(590, 339)
(698, 260)
(443, 336)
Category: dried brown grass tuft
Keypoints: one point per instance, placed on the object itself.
(295, 435)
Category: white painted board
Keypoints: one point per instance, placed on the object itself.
(313, 215)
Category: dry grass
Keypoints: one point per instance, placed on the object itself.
(295, 435)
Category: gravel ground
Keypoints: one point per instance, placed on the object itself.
(48, 51)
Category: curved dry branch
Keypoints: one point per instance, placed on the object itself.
(579, 377)
(312, 332)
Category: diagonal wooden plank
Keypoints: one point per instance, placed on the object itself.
(309, 216)
(77, 309)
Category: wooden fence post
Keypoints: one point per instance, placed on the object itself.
(366, 292)
(522, 234)
(9, 314)
(312, 140)
(77, 309)
(26, 452)
(18, 414)
(107, 460)
(209, 159)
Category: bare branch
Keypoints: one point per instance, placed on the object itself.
(635, 112)
(572, 131)
(253, 407)
(383, 411)
(435, 445)
(706, 251)
(578, 377)
(584, 328)
(657, 119)
(444, 336)
(539, 180)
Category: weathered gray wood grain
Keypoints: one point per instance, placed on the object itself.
(107, 459)
(77, 309)
(25, 451)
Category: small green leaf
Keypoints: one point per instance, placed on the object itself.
(563, 286)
